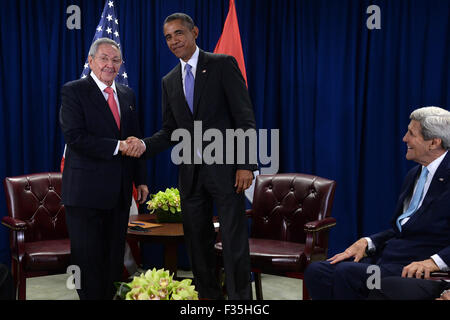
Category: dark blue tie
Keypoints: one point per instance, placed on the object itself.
(189, 87)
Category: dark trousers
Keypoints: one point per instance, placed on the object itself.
(398, 288)
(200, 238)
(346, 280)
(97, 241)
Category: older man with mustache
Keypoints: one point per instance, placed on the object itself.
(97, 115)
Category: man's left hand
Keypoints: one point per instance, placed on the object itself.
(244, 180)
(444, 295)
(142, 192)
(418, 268)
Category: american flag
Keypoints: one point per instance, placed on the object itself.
(108, 27)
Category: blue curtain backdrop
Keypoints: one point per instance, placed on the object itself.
(339, 93)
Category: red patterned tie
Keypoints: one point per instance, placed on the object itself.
(113, 105)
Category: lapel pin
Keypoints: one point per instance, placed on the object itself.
(204, 71)
(441, 179)
(131, 108)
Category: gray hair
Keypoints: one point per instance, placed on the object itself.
(94, 46)
(435, 123)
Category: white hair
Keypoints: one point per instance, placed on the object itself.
(94, 46)
(435, 123)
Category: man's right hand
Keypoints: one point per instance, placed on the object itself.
(132, 147)
(356, 251)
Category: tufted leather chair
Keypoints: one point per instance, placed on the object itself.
(290, 224)
(38, 235)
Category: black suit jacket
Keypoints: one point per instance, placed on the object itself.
(221, 101)
(427, 232)
(92, 176)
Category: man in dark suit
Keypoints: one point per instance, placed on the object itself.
(419, 241)
(96, 116)
(209, 88)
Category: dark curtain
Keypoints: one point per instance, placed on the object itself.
(339, 93)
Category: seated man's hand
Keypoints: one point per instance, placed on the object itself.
(132, 147)
(356, 251)
(417, 269)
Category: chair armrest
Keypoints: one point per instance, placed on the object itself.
(316, 238)
(17, 237)
(319, 225)
(13, 224)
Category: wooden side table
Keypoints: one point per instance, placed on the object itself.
(170, 235)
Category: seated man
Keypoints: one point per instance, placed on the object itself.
(419, 241)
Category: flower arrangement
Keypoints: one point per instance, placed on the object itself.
(166, 205)
(167, 201)
(156, 285)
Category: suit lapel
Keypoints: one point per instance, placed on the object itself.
(440, 179)
(437, 187)
(201, 76)
(124, 109)
(406, 192)
(99, 102)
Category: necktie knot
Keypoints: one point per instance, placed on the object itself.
(188, 67)
(109, 90)
(424, 173)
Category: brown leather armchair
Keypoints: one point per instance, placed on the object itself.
(290, 224)
(39, 240)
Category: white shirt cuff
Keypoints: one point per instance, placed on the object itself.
(440, 263)
(370, 245)
(117, 148)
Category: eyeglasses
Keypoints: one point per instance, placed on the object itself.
(105, 60)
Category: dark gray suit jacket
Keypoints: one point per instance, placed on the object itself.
(221, 101)
(92, 176)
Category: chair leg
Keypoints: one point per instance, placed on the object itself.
(22, 289)
(258, 286)
(305, 294)
(20, 283)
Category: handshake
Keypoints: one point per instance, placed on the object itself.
(132, 147)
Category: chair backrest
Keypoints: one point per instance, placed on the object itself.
(36, 200)
(283, 203)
